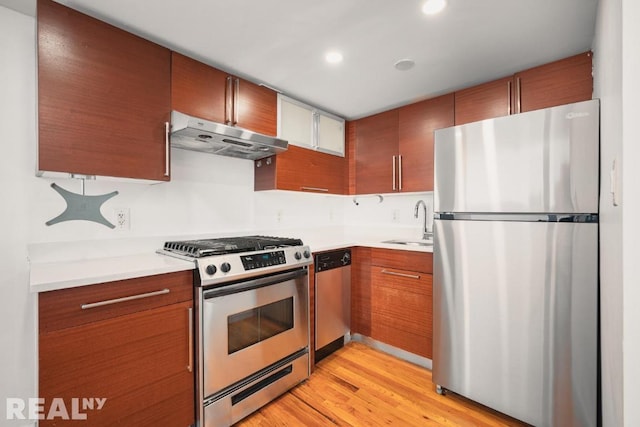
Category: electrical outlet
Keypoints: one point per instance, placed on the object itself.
(396, 215)
(279, 215)
(122, 218)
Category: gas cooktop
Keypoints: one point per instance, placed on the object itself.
(228, 245)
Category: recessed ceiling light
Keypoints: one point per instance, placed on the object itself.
(431, 7)
(404, 64)
(333, 57)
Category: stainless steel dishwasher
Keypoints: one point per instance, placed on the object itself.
(333, 301)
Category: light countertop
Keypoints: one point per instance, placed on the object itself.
(47, 276)
(68, 274)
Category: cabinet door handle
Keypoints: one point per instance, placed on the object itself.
(190, 341)
(508, 97)
(322, 190)
(393, 172)
(228, 107)
(518, 96)
(394, 273)
(167, 148)
(236, 98)
(399, 172)
(123, 299)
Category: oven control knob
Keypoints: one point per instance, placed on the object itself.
(297, 256)
(306, 254)
(211, 269)
(345, 258)
(225, 267)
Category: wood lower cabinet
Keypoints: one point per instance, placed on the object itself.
(556, 83)
(361, 291)
(392, 298)
(137, 354)
(205, 92)
(402, 299)
(104, 98)
(301, 169)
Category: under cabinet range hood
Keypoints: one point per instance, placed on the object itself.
(192, 133)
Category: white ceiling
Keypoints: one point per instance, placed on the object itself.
(282, 42)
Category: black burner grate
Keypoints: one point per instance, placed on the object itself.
(227, 245)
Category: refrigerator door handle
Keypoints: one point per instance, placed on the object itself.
(559, 217)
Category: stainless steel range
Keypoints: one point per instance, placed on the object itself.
(252, 322)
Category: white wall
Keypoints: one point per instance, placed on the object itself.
(631, 209)
(17, 121)
(617, 84)
(607, 50)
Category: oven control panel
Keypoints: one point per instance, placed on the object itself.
(265, 259)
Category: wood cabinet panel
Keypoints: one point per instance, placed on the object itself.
(376, 145)
(401, 309)
(103, 97)
(350, 156)
(556, 83)
(361, 291)
(138, 362)
(301, 169)
(256, 108)
(197, 89)
(61, 309)
(416, 124)
(203, 91)
(484, 101)
(561, 82)
(403, 260)
(312, 316)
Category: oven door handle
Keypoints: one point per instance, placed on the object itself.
(260, 282)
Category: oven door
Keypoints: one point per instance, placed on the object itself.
(252, 324)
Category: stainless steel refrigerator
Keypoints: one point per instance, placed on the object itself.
(516, 264)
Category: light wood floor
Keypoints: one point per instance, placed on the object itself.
(360, 386)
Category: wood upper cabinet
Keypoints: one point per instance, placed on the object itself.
(556, 83)
(394, 149)
(376, 151)
(402, 299)
(301, 169)
(203, 91)
(416, 124)
(485, 101)
(104, 98)
(136, 354)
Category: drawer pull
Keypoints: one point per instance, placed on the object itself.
(322, 190)
(190, 343)
(123, 299)
(167, 148)
(393, 273)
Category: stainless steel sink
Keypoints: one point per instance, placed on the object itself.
(410, 242)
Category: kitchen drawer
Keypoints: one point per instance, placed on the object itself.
(404, 260)
(401, 313)
(62, 309)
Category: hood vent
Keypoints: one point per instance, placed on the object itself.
(195, 134)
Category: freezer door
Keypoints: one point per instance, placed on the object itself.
(540, 161)
(515, 317)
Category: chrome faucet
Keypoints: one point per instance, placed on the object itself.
(426, 233)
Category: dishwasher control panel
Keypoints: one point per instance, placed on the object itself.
(334, 259)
